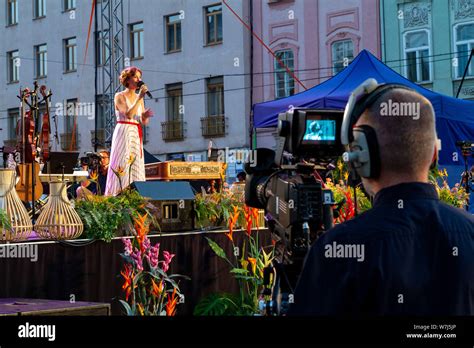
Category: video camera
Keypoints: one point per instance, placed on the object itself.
(285, 183)
(92, 160)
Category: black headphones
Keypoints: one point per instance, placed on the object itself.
(362, 148)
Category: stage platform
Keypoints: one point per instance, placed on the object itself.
(89, 271)
(28, 307)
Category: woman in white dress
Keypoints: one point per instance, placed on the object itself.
(126, 155)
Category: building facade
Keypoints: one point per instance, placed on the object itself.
(314, 38)
(429, 42)
(194, 56)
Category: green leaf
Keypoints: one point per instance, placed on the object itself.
(127, 308)
(216, 248)
(218, 305)
(239, 271)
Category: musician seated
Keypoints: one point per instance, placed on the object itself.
(89, 187)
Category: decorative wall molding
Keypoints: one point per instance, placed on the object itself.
(283, 30)
(416, 14)
(462, 9)
(342, 19)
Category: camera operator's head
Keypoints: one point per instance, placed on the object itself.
(104, 159)
(404, 124)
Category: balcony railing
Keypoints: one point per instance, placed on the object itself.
(172, 130)
(66, 142)
(98, 137)
(213, 126)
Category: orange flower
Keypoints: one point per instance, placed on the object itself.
(248, 219)
(131, 159)
(128, 275)
(120, 171)
(253, 262)
(94, 176)
(157, 289)
(171, 304)
(141, 228)
(232, 222)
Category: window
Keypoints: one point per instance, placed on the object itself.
(102, 51)
(41, 58)
(13, 62)
(213, 24)
(69, 5)
(284, 82)
(342, 55)
(70, 46)
(12, 12)
(101, 110)
(39, 8)
(170, 211)
(173, 33)
(464, 40)
(417, 51)
(215, 96)
(136, 41)
(174, 101)
(13, 115)
(70, 114)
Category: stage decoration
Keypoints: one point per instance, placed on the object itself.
(18, 226)
(106, 217)
(58, 219)
(247, 264)
(149, 290)
(455, 196)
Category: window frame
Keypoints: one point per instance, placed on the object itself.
(12, 68)
(38, 60)
(67, 3)
(67, 68)
(277, 68)
(215, 86)
(36, 6)
(141, 44)
(171, 94)
(9, 20)
(13, 115)
(333, 58)
(417, 58)
(175, 25)
(206, 21)
(470, 46)
(101, 52)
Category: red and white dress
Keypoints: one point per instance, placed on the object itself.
(127, 142)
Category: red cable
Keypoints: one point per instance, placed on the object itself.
(263, 43)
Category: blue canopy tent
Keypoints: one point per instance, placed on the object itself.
(454, 117)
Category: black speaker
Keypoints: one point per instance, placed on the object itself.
(174, 201)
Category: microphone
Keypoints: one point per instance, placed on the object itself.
(141, 83)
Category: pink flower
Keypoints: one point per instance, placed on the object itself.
(168, 257)
(128, 246)
(152, 255)
(146, 243)
(137, 257)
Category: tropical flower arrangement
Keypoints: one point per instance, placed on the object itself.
(216, 208)
(455, 196)
(149, 290)
(5, 223)
(247, 264)
(105, 217)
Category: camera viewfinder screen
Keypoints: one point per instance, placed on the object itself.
(320, 130)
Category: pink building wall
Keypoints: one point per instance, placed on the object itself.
(309, 27)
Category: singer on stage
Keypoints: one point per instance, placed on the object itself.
(127, 140)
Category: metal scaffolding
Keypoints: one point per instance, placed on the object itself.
(111, 29)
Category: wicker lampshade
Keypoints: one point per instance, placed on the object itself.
(21, 225)
(58, 220)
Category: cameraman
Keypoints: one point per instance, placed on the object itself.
(415, 254)
(98, 172)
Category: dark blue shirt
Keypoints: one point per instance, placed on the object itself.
(409, 255)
